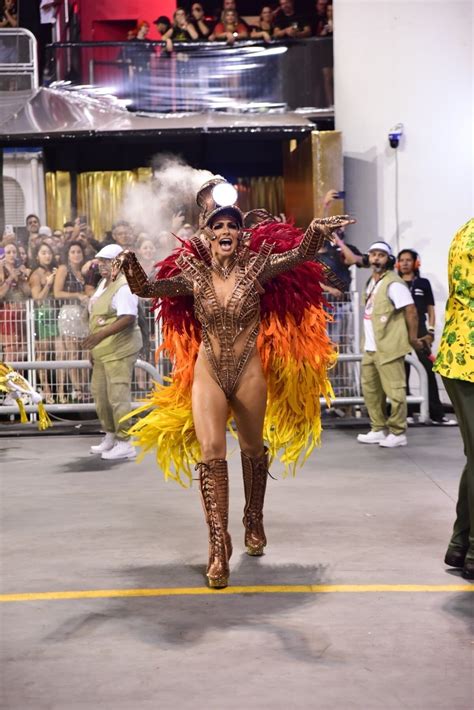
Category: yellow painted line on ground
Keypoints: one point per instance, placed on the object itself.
(263, 589)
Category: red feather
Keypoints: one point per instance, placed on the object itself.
(292, 291)
(176, 312)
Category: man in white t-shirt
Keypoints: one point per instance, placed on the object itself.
(114, 342)
(390, 332)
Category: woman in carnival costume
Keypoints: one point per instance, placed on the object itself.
(244, 325)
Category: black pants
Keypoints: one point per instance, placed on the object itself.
(435, 405)
(461, 394)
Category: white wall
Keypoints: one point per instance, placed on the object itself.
(408, 61)
(26, 167)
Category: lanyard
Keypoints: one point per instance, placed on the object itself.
(369, 293)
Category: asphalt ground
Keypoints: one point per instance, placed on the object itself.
(105, 603)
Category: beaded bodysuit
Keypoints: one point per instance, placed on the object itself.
(230, 329)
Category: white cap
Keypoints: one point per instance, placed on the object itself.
(381, 246)
(109, 252)
(45, 231)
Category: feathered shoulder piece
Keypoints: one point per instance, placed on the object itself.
(294, 347)
(178, 313)
(293, 291)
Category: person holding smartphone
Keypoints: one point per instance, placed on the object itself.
(45, 314)
(14, 290)
(290, 25)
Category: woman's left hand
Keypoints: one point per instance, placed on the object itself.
(335, 222)
(331, 224)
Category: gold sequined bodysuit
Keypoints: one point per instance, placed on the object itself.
(230, 329)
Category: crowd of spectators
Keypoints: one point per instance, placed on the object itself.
(56, 273)
(275, 21)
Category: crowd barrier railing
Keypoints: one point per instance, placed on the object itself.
(421, 399)
(57, 366)
(18, 66)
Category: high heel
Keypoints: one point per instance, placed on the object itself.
(214, 486)
(255, 473)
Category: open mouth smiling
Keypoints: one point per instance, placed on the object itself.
(225, 243)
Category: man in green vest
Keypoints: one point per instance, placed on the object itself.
(114, 341)
(390, 332)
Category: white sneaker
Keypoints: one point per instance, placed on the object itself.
(394, 440)
(373, 437)
(445, 422)
(410, 420)
(120, 450)
(105, 445)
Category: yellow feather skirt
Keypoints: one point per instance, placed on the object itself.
(295, 358)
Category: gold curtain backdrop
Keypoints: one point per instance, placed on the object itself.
(266, 192)
(100, 195)
(58, 199)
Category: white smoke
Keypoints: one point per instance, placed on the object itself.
(150, 207)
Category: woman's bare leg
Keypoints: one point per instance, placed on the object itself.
(248, 405)
(210, 411)
(210, 408)
(42, 352)
(61, 372)
(72, 353)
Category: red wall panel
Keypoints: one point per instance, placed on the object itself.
(111, 19)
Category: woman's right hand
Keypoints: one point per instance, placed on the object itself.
(50, 278)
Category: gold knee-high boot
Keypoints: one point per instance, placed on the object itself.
(214, 485)
(255, 472)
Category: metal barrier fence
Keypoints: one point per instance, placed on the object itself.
(18, 69)
(49, 332)
(344, 333)
(43, 339)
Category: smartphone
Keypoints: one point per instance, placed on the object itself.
(9, 229)
(18, 262)
(340, 195)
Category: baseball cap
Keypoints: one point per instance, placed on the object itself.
(109, 252)
(45, 231)
(381, 246)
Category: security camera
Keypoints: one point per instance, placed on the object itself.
(395, 134)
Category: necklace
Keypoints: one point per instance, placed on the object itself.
(224, 271)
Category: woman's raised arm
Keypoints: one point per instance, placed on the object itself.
(319, 230)
(139, 283)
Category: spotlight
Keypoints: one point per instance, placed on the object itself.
(224, 194)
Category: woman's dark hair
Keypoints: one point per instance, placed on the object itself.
(36, 262)
(68, 249)
(416, 259)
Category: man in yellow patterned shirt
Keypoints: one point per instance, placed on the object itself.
(455, 363)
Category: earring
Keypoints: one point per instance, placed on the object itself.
(209, 234)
